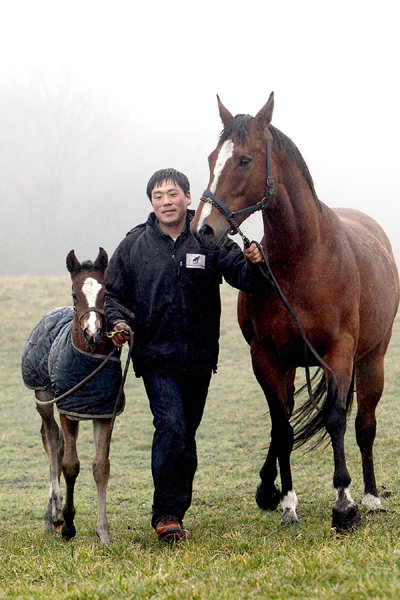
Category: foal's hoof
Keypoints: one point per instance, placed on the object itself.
(267, 499)
(57, 527)
(68, 532)
(346, 520)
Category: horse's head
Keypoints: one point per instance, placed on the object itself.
(88, 291)
(238, 174)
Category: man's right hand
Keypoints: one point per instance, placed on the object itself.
(121, 333)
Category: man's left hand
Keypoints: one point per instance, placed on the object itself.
(253, 254)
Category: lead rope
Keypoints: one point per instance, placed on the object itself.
(267, 273)
(121, 388)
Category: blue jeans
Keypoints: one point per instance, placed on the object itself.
(177, 402)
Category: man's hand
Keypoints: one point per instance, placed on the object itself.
(120, 334)
(253, 254)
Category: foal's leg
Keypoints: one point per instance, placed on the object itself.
(53, 444)
(101, 473)
(370, 377)
(70, 466)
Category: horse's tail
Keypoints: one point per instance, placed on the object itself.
(308, 419)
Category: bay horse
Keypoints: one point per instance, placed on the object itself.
(335, 271)
(76, 337)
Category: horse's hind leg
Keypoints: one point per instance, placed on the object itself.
(70, 467)
(278, 389)
(101, 473)
(268, 494)
(53, 444)
(370, 377)
(345, 513)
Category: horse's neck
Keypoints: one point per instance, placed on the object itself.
(293, 224)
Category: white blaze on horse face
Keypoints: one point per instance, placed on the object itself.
(225, 153)
(90, 289)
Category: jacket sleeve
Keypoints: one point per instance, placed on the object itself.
(237, 270)
(119, 284)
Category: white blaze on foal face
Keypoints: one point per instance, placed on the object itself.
(90, 289)
(225, 153)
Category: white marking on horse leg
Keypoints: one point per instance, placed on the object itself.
(225, 153)
(371, 502)
(91, 288)
(289, 504)
(343, 496)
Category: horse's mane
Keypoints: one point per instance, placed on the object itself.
(239, 127)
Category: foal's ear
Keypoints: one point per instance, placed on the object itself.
(101, 261)
(265, 114)
(72, 262)
(224, 113)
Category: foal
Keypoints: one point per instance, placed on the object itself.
(88, 341)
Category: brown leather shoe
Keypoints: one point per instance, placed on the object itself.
(169, 529)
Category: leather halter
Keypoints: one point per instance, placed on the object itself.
(231, 216)
(85, 311)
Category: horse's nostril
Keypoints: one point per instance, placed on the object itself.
(206, 232)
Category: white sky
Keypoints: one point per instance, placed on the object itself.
(334, 68)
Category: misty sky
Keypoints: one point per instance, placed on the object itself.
(95, 96)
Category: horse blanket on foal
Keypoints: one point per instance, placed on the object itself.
(50, 361)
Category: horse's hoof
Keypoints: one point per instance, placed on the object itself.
(346, 520)
(267, 500)
(68, 532)
(57, 527)
(289, 517)
(104, 536)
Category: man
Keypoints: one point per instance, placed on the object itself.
(161, 274)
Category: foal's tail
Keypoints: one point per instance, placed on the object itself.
(308, 419)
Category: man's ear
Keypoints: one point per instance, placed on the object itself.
(188, 198)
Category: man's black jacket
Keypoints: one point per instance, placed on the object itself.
(173, 290)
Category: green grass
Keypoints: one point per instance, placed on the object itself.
(236, 550)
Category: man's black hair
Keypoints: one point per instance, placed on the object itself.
(168, 175)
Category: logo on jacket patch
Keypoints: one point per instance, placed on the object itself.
(195, 261)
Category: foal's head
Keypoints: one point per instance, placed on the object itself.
(88, 291)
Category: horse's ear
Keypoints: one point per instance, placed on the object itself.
(224, 113)
(72, 262)
(265, 114)
(101, 261)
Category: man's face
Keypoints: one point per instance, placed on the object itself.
(169, 205)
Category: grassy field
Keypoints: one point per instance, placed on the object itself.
(236, 550)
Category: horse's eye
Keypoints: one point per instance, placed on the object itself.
(244, 161)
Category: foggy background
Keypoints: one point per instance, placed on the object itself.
(95, 96)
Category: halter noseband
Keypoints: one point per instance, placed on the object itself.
(231, 216)
(85, 311)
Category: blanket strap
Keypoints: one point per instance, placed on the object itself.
(78, 385)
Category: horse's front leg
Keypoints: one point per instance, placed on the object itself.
(345, 512)
(70, 467)
(101, 474)
(53, 444)
(278, 389)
